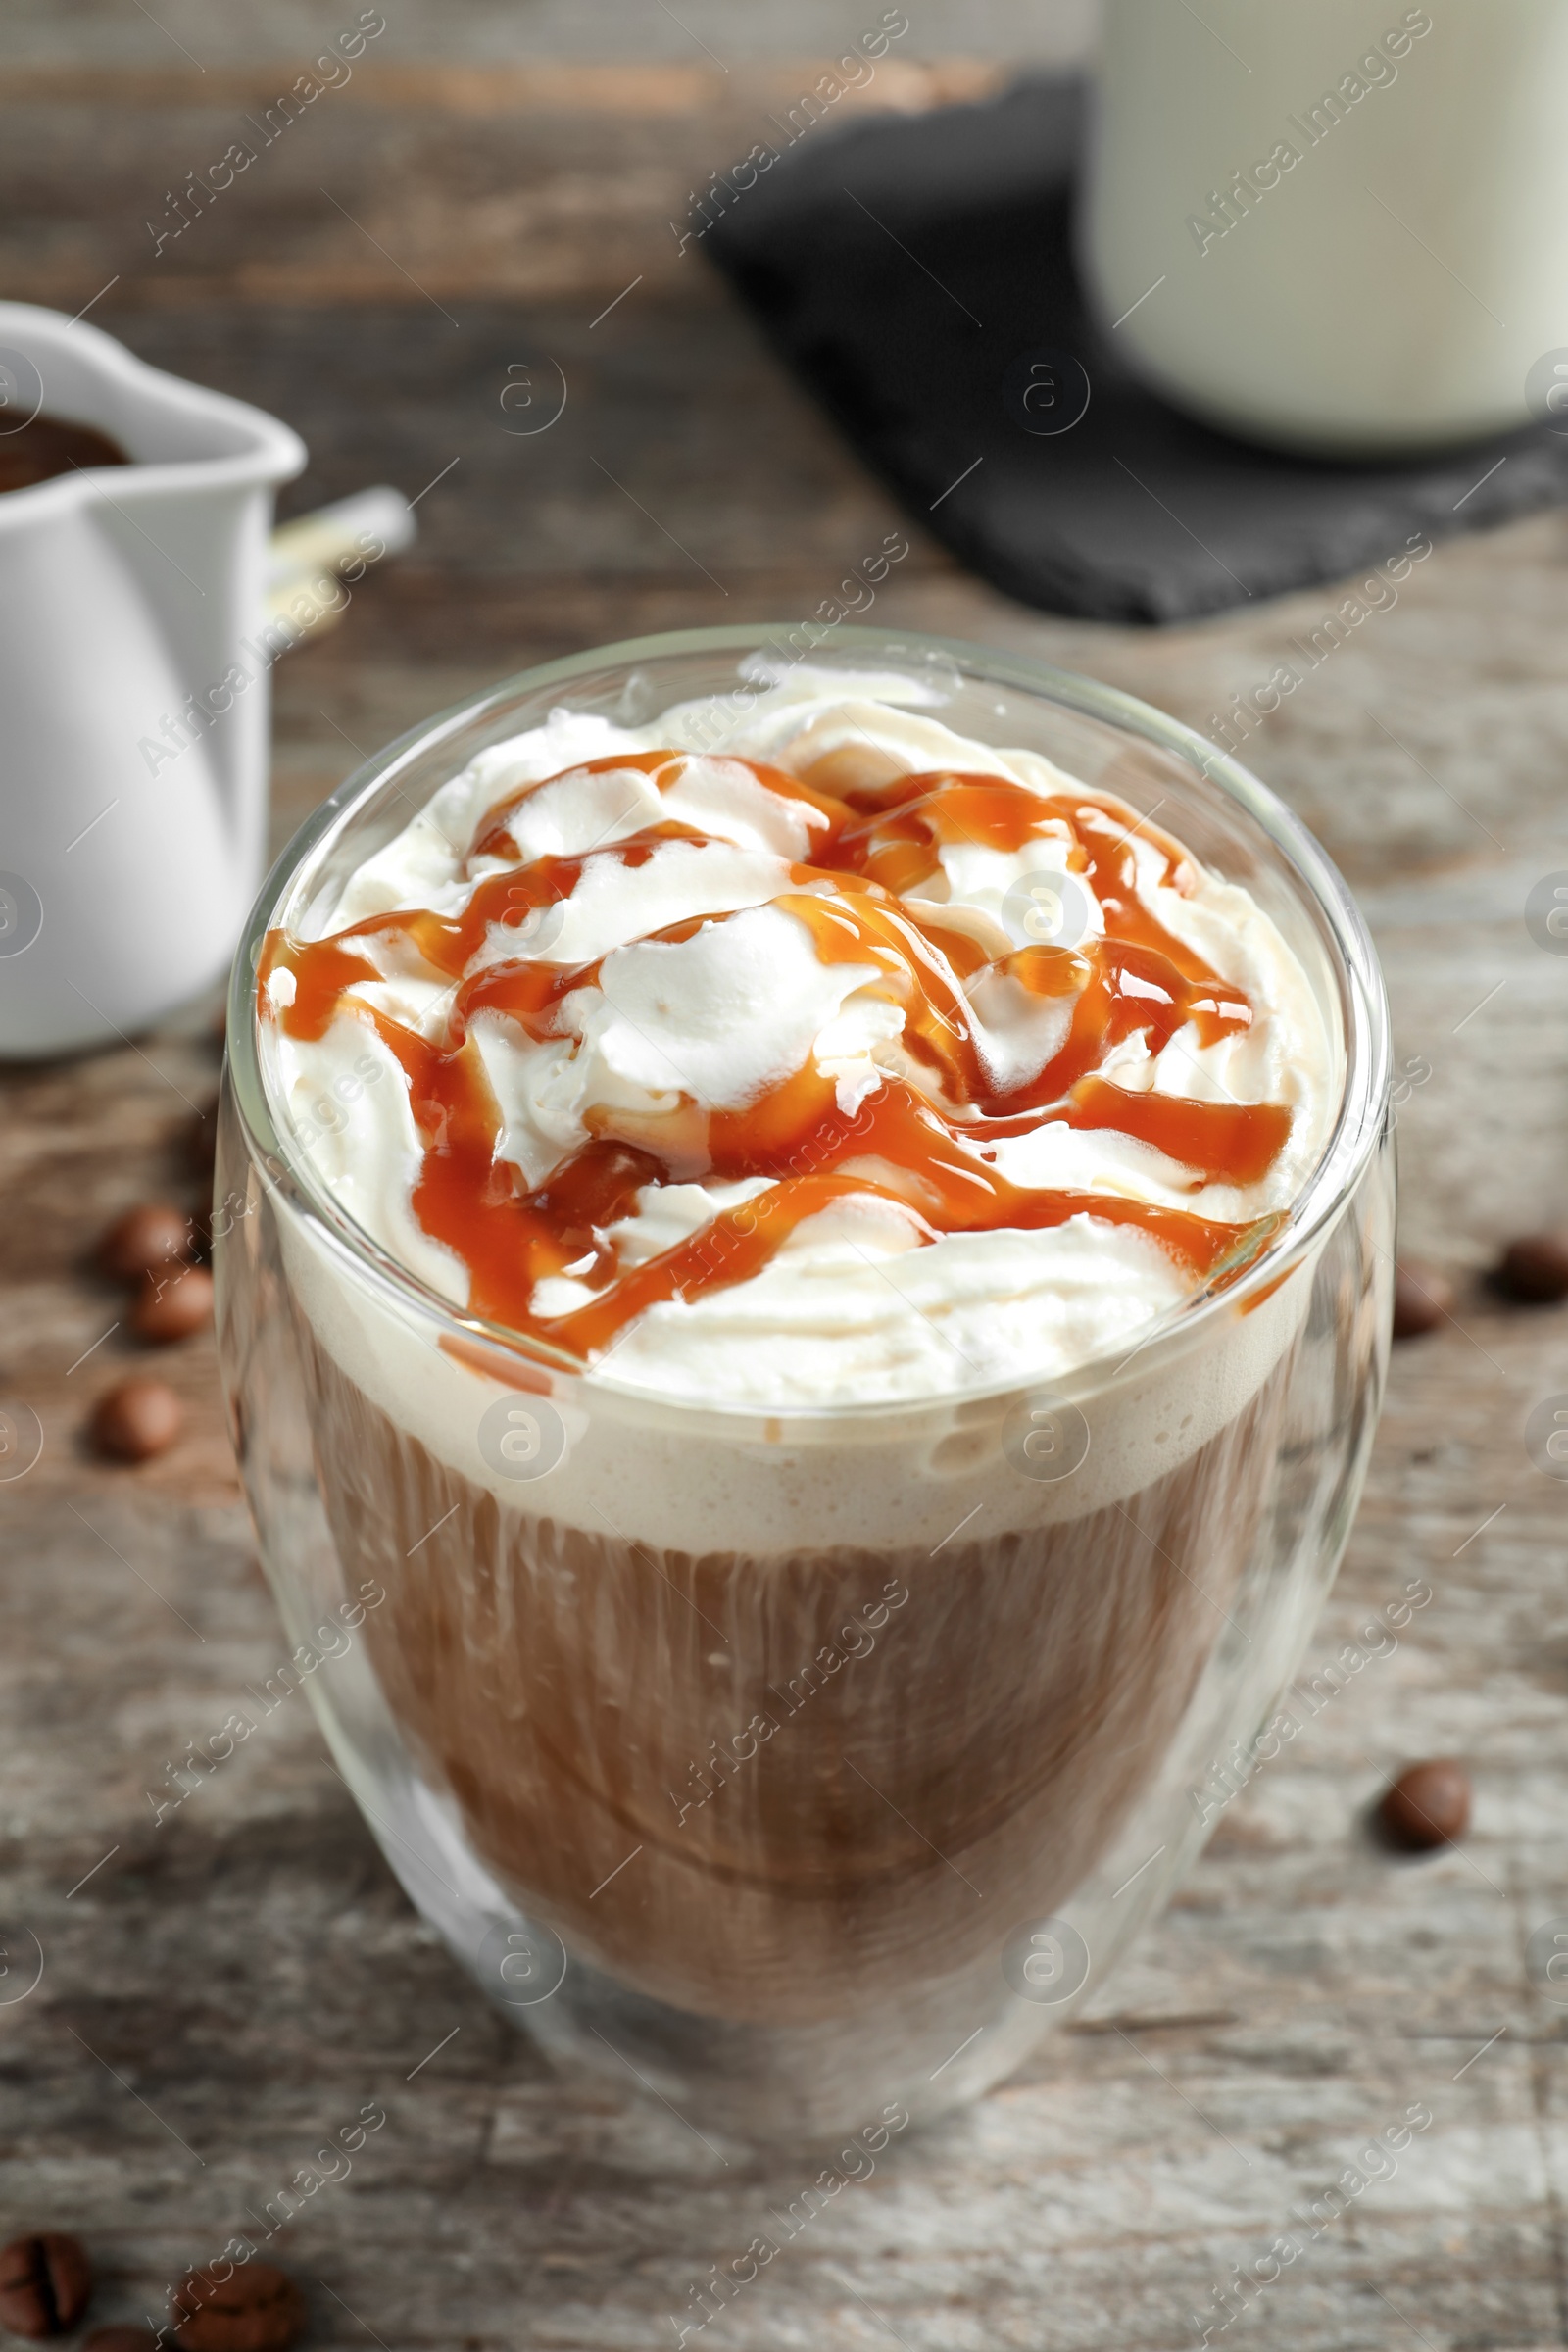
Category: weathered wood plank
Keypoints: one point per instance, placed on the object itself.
(413, 184)
(99, 33)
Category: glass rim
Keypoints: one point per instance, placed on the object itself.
(1349, 1149)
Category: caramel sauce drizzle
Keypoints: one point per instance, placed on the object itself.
(928, 1146)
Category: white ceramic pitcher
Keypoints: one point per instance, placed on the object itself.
(133, 689)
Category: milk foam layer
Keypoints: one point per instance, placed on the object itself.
(764, 1487)
(861, 1303)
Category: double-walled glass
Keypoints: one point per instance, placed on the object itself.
(805, 1765)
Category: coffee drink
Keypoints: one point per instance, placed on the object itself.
(787, 1330)
(46, 446)
(770, 1785)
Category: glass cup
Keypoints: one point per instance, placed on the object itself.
(803, 1767)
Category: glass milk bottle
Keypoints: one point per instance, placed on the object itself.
(1340, 226)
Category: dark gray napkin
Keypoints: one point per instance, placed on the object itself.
(916, 273)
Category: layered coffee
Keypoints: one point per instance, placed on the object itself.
(783, 1108)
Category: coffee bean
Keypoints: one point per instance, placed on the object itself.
(1421, 1299)
(120, 2340)
(257, 2309)
(1535, 1269)
(1428, 1805)
(152, 1234)
(136, 1419)
(44, 2284)
(172, 1307)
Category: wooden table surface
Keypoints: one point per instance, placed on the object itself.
(221, 1991)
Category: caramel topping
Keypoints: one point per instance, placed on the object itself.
(923, 1139)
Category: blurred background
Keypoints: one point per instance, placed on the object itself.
(460, 211)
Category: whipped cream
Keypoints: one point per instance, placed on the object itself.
(690, 992)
